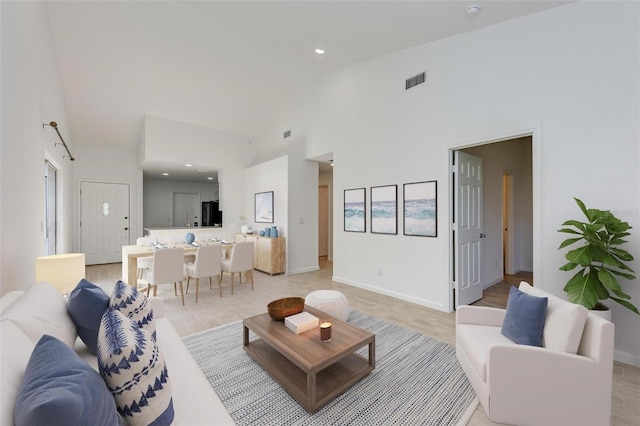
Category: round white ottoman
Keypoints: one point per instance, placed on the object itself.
(332, 302)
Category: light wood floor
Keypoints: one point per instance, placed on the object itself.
(212, 311)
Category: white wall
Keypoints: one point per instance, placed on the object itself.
(158, 199)
(571, 74)
(303, 213)
(111, 165)
(31, 95)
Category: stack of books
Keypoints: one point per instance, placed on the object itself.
(299, 323)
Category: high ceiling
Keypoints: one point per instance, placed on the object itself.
(229, 65)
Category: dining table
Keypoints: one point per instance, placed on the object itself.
(131, 254)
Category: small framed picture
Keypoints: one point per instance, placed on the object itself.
(263, 207)
(384, 209)
(355, 210)
(420, 209)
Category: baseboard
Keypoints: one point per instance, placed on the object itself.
(303, 270)
(627, 358)
(395, 295)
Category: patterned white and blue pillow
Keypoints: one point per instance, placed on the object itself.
(135, 305)
(134, 370)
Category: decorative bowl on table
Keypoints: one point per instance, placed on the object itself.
(281, 308)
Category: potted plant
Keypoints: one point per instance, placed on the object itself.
(599, 257)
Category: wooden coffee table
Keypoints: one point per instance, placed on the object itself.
(311, 371)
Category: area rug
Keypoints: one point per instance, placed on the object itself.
(417, 381)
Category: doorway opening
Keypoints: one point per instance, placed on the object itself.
(502, 243)
(50, 206)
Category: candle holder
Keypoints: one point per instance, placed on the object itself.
(325, 331)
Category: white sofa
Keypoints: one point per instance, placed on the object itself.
(26, 316)
(549, 385)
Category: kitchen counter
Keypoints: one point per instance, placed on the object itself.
(165, 235)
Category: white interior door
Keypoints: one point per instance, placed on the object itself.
(185, 209)
(323, 221)
(104, 221)
(467, 227)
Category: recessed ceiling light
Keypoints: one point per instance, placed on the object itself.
(331, 162)
(210, 178)
(188, 165)
(320, 51)
(165, 174)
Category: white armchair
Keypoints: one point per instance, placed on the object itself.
(549, 385)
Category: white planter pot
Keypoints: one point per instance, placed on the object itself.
(244, 229)
(602, 313)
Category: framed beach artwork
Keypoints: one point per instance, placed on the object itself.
(420, 209)
(384, 209)
(355, 210)
(263, 207)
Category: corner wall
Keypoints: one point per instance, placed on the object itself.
(31, 94)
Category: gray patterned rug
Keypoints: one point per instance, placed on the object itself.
(417, 381)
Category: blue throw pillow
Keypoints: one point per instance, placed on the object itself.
(135, 305)
(133, 367)
(524, 319)
(87, 303)
(59, 388)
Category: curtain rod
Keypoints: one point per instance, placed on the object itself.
(55, 126)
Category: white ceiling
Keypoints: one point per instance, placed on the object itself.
(228, 64)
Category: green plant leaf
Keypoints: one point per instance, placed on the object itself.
(569, 231)
(626, 304)
(580, 225)
(623, 274)
(582, 206)
(608, 280)
(568, 242)
(621, 254)
(581, 256)
(609, 260)
(568, 266)
(617, 241)
(579, 290)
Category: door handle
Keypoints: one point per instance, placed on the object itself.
(126, 229)
(483, 235)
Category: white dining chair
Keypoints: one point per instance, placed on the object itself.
(208, 263)
(144, 263)
(168, 267)
(240, 260)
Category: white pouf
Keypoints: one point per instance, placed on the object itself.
(332, 302)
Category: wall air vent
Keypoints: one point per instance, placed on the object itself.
(415, 80)
(287, 134)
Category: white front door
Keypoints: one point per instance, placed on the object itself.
(104, 221)
(467, 227)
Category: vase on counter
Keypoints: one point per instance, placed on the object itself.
(244, 229)
(267, 232)
(190, 237)
(274, 232)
